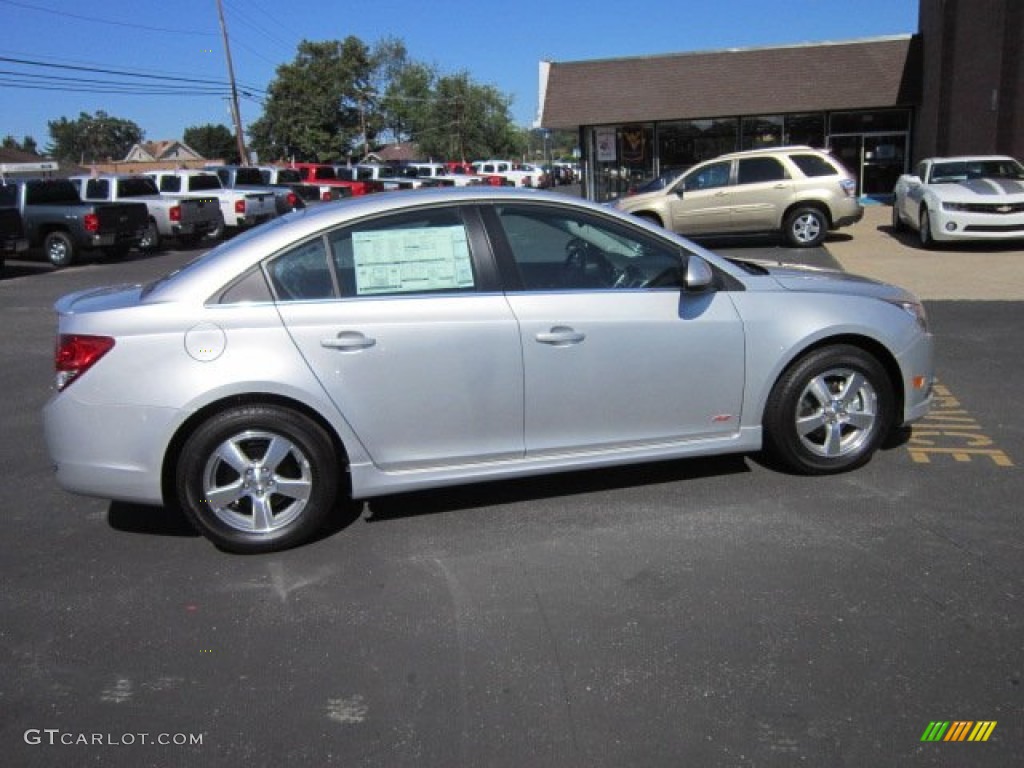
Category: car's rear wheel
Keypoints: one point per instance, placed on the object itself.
(829, 411)
(805, 227)
(258, 478)
(59, 248)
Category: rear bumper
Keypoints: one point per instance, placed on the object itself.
(107, 451)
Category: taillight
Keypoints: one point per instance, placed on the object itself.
(326, 195)
(77, 353)
(240, 206)
(91, 222)
(175, 213)
(293, 200)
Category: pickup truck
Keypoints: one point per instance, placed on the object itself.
(311, 194)
(12, 234)
(56, 218)
(440, 173)
(318, 173)
(247, 178)
(185, 218)
(519, 175)
(241, 209)
(386, 175)
(363, 182)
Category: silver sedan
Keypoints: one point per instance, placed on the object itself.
(401, 342)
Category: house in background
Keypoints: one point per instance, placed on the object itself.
(162, 151)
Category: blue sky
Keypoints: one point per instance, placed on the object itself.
(497, 43)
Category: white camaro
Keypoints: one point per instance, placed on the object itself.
(961, 198)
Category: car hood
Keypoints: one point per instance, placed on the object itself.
(99, 299)
(981, 190)
(815, 280)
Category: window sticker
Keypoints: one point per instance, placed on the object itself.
(407, 260)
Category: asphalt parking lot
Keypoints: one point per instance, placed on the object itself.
(707, 613)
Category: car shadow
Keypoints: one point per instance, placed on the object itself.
(147, 519)
(463, 497)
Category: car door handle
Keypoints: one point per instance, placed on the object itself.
(560, 336)
(348, 341)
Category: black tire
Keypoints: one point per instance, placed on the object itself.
(60, 249)
(829, 411)
(805, 227)
(217, 233)
(897, 220)
(150, 242)
(924, 231)
(241, 505)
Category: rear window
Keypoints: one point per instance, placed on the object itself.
(248, 176)
(201, 183)
(136, 187)
(288, 176)
(45, 192)
(814, 165)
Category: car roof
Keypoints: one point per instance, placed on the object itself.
(968, 158)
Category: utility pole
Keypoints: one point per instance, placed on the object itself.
(239, 136)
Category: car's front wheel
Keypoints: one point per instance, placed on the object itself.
(897, 220)
(829, 411)
(258, 478)
(925, 230)
(805, 228)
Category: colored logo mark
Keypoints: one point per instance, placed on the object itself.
(958, 730)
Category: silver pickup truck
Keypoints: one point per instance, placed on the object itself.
(186, 218)
(241, 209)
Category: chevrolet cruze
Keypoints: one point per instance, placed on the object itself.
(400, 342)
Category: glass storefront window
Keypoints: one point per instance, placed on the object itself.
(761, 131)
(623, 159)
(805, 130)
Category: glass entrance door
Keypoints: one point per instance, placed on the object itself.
(875, 159)
(884, 162)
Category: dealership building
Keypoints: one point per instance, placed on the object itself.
(879, 105)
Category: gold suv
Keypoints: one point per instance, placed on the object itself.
(798, 191)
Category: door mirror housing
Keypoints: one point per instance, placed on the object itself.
(697, 276)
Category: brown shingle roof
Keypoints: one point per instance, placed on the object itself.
(800, 78)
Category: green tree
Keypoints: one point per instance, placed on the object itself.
(28, 144)
(315, 105)
(467, 120)
(212, 141)
(92, 138)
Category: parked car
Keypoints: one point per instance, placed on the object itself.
(363, 182)
(950, 199)
(56, 219)
(798, 191)
(521, 333)
(183, 218)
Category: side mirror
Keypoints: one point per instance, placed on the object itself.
(697, 276)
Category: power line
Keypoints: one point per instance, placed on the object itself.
(111, 22)
(121, 72)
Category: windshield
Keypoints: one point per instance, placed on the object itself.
(248, 176)
(962, 170)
